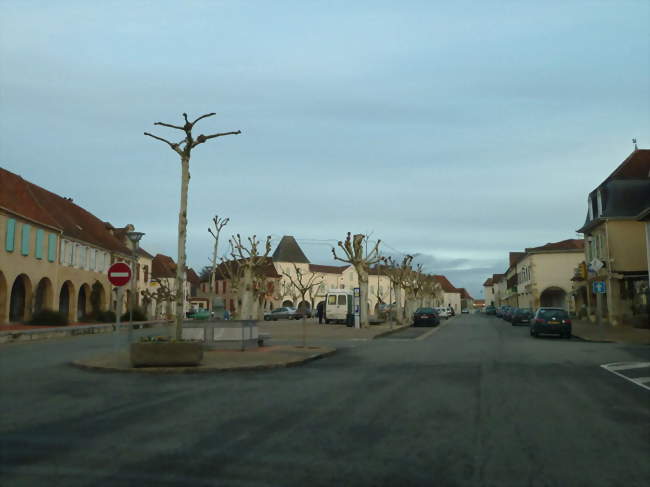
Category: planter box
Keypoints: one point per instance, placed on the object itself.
(166, 354)
(223, 335)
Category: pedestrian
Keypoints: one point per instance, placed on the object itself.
(226, 314)
(320, 311)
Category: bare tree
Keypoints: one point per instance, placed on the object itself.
(184, 149)
(303, 283)
(397, 273)
(251, 259)
(362, 261)
(219, 223)
(163, 294)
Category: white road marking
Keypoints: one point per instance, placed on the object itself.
(431, 332)
(627, 365)
(639, 381)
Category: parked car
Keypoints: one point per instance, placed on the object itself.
(521, 315)
(200, 314)
(554, 321)
(285, 313)
(443, 312)
(490, 310)
(464, 311)
(426, 317)
(507, 314)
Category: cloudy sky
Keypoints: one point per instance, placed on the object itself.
(456, 130)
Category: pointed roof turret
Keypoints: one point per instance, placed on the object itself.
(288, 250)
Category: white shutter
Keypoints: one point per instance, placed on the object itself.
(62, 253)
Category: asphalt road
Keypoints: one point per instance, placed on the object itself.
(475, 403)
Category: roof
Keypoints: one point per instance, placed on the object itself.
(121, 234)
(163, 266)
(192, 277)
(268, 269)
(328, 269)
(49, 209)
(488, 282)
(636, 165)
(288, 250)
(497, 278)
(515, 257)
(563, 245)
(446, 285)
(464, 294)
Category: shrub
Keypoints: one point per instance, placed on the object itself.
(49, 317)
(138, 315)
(107, 316)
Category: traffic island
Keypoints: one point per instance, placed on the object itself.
(214, 361)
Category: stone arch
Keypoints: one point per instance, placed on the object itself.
(83, 301)
(304, 305)
(66, 300)
(287, 303)
(97, 297)
(20, 300)
(3, 298)
(553, 297)
(44, 297)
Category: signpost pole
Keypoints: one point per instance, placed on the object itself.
(118, 310)
(357, 304)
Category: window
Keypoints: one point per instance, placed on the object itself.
(70, 253)
(93, 259)
(40, 236)
(591, 210)
(342, 300)
(146, 273)
(331, 299)
(11, 235)
(51, 247)
(599, 202)
(24, 243)
(62, 251)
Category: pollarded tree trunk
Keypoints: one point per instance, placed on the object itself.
(363, 296)
(247, 295)
(398, 302)
(182, 237)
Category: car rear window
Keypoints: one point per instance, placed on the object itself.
(553, 313)
(425, 310)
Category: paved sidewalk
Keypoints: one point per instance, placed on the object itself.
(215, 360)
(607, 333)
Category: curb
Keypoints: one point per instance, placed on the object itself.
(12, 336)
(390, 332)
(198, 370)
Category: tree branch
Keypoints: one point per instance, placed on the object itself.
(170, 144)
(202, 117)
(202, 138)
(163, 124)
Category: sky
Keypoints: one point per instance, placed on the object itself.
(458, 131)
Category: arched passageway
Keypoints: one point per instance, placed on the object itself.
(304, 305)
(97, 297)
(43, 299)
(3, 298)
(287, 303)
(553, 297)
(65, 298)
(20, 300)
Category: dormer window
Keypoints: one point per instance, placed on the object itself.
(591, 209)
(599, 202)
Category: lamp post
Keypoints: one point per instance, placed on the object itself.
(134, 237)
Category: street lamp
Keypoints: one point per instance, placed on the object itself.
(134, 237)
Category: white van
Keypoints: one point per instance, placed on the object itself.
(338, 306)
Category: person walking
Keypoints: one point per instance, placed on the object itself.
(320, 311)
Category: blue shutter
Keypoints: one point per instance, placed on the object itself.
(51, 247)
(39, 243)
(11, 232)
(24, 246)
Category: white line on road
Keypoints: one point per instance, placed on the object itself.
(627, 365)
(431, 332)
(639, 381)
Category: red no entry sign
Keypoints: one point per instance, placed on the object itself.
(119, 274)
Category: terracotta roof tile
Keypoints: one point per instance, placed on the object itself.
(35, 203)
(446, 285)
(488, 282)
(569, 244)
(327, 269)
(163, 266)
(192, 277)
